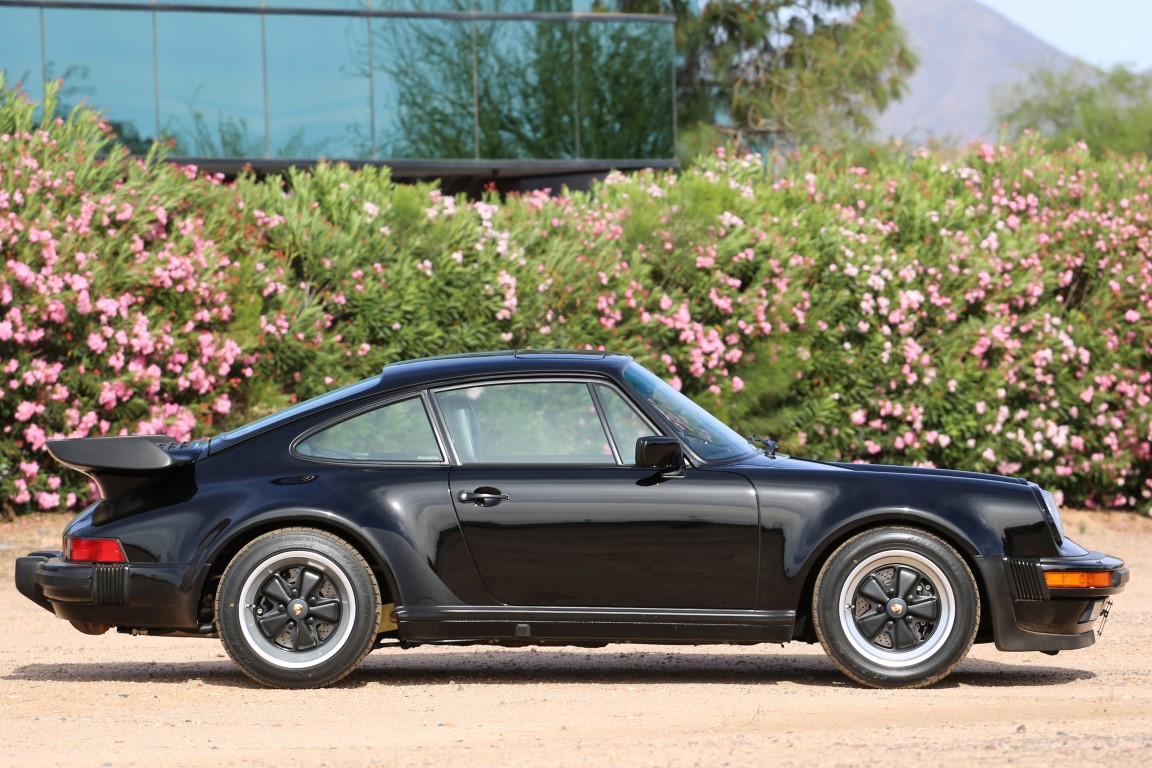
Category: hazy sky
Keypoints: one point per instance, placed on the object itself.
(1101, 32)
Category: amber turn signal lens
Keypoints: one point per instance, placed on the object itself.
(1077, 579)
(94, 551)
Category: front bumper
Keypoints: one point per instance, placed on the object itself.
(128, 595)
(1027, 615)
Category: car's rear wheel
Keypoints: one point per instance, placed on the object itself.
(896, 608)
(298, 608)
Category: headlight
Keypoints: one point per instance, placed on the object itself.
(1052, 515)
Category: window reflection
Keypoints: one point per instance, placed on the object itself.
(525, 90)
(424, 91)
(298, 85)
(20, 50)
(318, 97)
(620, 66)
(211, 84)
(111, 71)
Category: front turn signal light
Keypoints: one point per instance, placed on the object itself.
(1077, 579)
(94, 551)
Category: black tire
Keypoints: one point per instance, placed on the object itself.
(298, 608)
(896, 608)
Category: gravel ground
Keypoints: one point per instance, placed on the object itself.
(114, 700)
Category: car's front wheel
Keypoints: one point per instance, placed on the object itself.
(298, 608)
(896, 608)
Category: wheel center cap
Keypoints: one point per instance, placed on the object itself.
(297, 609)
(897, 608)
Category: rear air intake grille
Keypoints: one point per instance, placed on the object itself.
(1026, 578)
(109, 584)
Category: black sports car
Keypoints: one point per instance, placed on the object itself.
(552, 498)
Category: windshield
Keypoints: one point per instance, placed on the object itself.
(701, 432)
(300, 409)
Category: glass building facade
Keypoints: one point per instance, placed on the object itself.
(426, 86)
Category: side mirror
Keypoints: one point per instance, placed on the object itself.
(659, 452)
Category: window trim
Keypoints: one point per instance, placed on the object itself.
(617, 459)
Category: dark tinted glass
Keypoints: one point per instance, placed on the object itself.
(625, 78)
(111, 71)
(424, 94)
(463, 87)
(319, 92)
(525, 89)
(20, 50)
(211, 83)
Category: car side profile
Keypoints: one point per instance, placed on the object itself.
(525, 498)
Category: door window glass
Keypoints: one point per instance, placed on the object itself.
(397, 432)
(626, 424)
(525, 423)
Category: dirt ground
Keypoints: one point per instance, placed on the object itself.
(115, 700)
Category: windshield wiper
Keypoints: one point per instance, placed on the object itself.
(770, 446)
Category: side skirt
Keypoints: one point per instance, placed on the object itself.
(530, 625)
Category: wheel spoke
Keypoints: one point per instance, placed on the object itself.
(310, 581)
(304, 636)
(272, 623)
(872, 624)
(904, 637)
(276, 589)
(327, 611)
(926, 608)
(906, 580)
(873, 590)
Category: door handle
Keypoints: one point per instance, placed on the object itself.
(480, 498)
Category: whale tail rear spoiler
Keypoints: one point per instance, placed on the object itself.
(120, 464)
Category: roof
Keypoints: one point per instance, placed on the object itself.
(427, 370)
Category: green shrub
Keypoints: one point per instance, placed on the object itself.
(987, 312)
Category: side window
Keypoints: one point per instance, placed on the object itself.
(626, 424)
(551, 422)
(398, 431)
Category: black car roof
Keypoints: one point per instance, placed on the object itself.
(430, 370)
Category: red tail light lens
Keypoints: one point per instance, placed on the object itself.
(94, 551)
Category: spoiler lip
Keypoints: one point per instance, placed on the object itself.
(121, 463)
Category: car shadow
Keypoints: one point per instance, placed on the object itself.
(504, 666)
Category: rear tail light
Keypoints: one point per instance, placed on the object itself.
(94, 550)
(1077, 579)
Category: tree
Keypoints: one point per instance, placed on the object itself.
(1108, 110)
(783, 72)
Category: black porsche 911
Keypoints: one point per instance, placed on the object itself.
(552, 498)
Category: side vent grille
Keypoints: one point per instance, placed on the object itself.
(110, 584)
(1025, 578)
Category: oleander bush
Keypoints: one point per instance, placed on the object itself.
(988, 311)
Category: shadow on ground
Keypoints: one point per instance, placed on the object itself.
(495, 667)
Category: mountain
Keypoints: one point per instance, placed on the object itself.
(967, 53)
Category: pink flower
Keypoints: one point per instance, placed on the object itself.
(27, 410)
(35, 437)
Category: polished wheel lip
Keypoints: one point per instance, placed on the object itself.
(862, 644)
(261, 645)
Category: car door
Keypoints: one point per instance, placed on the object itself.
(383, 465)
(555, 512)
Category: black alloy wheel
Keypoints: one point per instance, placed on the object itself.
(298, 608)
(896, 608)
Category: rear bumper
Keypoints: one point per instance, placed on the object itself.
(129, 595)
(1027, 615)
